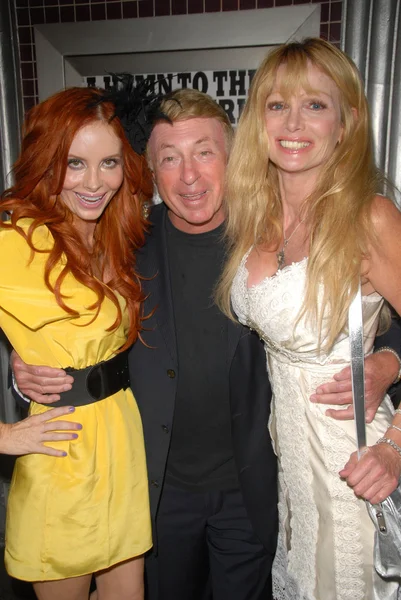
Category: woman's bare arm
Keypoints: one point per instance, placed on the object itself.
(378, 471)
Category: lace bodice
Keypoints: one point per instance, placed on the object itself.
(271, 308)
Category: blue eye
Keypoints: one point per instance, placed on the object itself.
(275, 105)
(317, 105)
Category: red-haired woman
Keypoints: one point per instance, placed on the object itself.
(70, 297)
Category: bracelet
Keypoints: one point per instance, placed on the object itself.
(388, 349)
(395, 427)
(384, 440)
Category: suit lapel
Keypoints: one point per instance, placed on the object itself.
(153, 263)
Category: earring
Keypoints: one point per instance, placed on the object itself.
(145, 211)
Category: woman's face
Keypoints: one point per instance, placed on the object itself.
(304, 129)
(94, 172)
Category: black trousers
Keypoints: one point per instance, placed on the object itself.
(206, 550)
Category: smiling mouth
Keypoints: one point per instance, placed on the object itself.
(293, 145)
(196, 196)
(90, 200)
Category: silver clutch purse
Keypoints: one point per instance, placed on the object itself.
(386, 516)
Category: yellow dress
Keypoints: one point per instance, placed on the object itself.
(79, 514)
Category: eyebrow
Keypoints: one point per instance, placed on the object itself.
(116, 155)
(317, 93)
(200, 141)
(310, 93)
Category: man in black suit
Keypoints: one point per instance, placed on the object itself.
(212, 482)
(200, 380)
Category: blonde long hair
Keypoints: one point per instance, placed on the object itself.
(337, 211)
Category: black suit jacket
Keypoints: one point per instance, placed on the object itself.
(154, 372)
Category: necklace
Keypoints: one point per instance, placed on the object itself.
(281, 254)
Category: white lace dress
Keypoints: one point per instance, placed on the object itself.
(326, 536)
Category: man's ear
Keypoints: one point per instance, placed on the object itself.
(156, 196)
(149, 160)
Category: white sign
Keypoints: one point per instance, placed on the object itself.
(228, 88)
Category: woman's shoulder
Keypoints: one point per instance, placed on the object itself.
(14, 237)
(384, 213)
(385, 219)
(11, 237)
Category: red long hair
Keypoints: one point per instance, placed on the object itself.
(39, 176)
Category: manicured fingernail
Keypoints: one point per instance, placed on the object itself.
(71, 409)
(74, 436)
(313, 398)
(64, 454)
(79, 426)
(67, 387)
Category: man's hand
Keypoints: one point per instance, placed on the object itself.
(40, 384)
(381, 369)
(30, 435)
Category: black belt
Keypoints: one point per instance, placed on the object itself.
(97, 382)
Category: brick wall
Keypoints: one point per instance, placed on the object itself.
(35, 12)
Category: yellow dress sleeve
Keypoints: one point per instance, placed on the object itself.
(23, 293)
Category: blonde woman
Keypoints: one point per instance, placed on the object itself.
(305, 224)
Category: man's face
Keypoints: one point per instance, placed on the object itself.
(188, 159)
